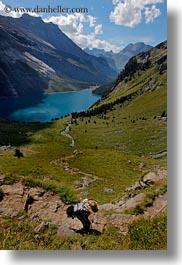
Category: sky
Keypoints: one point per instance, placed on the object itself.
(108, 24)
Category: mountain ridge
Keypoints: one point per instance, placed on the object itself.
(38, 57)
(119, 60)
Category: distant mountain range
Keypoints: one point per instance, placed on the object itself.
(155, 59)
(37, 57)
(118, 60)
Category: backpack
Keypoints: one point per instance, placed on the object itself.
(88, 205)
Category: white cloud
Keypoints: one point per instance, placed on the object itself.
(131, 12)
(92, 20)
(90, 41)
(12, 13)
(125, 14)
(98, 29)
(115, 2)
(151, 13)
(70, 24)
(73, 26)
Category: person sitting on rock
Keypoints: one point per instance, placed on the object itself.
(82, 210)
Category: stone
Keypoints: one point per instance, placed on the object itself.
(15, 189)
(136, 186)
(5, 147)
(150, 178)
(129, 189)
(12, 204)
(141, 165)
(36, 218)
(2, 178)
(142, 184)
(84, 194)
(49, 207)
(107, 207)
(41, 227)
(36, 193)
(65, 230)
(108, 190)
(78, 184)
(132, 202)
(77, 152)
(28, 133)
(162, 174)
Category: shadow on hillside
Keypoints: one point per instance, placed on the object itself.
(17, 134)
(90, 232)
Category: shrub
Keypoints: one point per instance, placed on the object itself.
(137, 210)
(148, 234)
(9, 180)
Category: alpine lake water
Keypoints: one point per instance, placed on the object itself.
(44, 108)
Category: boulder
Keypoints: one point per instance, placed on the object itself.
(108, 207)
(11, 205)
(132, 202)
(15, 189)
(150, 178)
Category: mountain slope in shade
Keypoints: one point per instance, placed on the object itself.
(37, 57)
(118, 60)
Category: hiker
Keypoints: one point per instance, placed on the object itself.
(82, 210)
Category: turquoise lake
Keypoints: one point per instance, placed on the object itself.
(44, 108)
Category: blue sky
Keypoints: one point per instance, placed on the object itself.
(109, 24)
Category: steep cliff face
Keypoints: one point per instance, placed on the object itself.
(36, 57)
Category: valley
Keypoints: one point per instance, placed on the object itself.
(119, 155)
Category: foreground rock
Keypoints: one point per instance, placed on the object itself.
(46, 207)
(148, 179)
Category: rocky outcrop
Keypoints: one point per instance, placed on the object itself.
(101, 221)
(46, 208)
(148, 179)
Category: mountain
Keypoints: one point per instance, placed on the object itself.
(118, 60)
(135, 67)
(109, 56)
(37, 57)
(129, 51)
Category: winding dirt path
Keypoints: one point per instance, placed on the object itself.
(87, 178)
(65, 133)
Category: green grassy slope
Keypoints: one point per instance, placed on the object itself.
(128, 131)
(113, 144)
